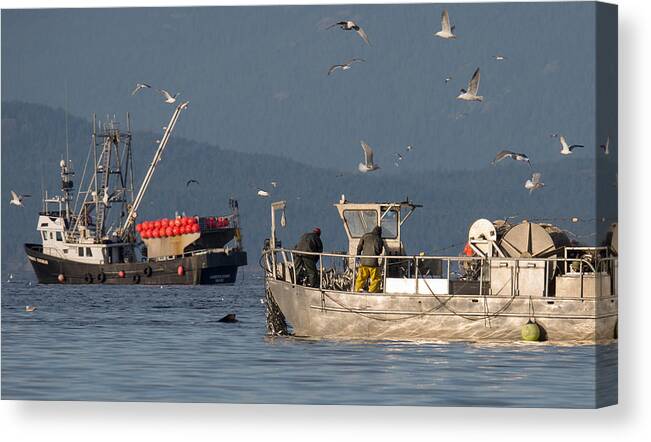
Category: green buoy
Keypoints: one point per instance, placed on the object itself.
(530, 331)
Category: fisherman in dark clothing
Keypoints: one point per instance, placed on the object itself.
(370, 244)
(309, 242)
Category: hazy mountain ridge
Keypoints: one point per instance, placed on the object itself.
(33, 142)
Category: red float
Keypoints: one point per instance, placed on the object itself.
(169, 231)
(157, 224)
(195, 228)
(138, 227)
(177, 222)
(180, 271)
(175, 231)
(121, 274)
(155, 233)
(162, 232)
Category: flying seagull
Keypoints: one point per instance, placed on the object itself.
(565, 148)
(399, 158)
(262, 193)
(349, 25)
(553, 135)
(499, 57)
(513, 155)
(409, 148)
(168, 97)
(446, 31)
(30, 308)
(140, 86)
(534, 183)
(606, 147)
(447, 79)
(473, 88)
(274, 184)
(367, 165)
(345, 66)
(17, 200)
(188, 182)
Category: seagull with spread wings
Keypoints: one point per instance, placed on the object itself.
(345, 66)
(447, 31)
(513, 155)
(367, 165)
(534, 183)
(567, 149)
(473, 89)
(169, 98)
(349, 25)
(140, 86)
(606, 147)
(17, 200)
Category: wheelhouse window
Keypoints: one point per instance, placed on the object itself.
(360, 222)
(88, 252)
(80, 251)
(389, 224)
(44, 235)
(59, 236)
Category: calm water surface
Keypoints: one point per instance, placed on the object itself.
(165, 344)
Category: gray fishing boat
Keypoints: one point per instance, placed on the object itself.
(513, 281)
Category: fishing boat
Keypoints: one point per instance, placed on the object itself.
(512, 282)
(91, 236)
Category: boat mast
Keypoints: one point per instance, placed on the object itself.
(133, 212)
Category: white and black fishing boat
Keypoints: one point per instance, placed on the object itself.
(91, 236)
(513, 281)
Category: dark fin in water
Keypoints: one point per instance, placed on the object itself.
(230, 318)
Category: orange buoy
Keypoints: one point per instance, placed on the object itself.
(180, 270)
(175, 231)
(195, 228)
(177, 222)
(155, 233)
(121, 274)
(162, 232)
(138, 227)
(61, 278)
(157, 224)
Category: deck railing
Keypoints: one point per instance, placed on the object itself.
(338, 271)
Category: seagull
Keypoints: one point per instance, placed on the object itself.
(499, 57)
(446, 31)
(367, 165)
(30, 308)
(17, 200)
(399, 158)
(188, 182)
(447, 79)
(263, 193)
(565, 149)
(140, 86)
(349, 25)
(274, 184)
(534, 183)
(553, 135)
(345, 66)
(606, 147)
(169, 99)
(409, 148)
(513, 155)
(473, 87)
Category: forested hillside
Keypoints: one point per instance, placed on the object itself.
(33, 142)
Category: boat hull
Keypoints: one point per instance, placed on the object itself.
(205, 268)
(331, 314)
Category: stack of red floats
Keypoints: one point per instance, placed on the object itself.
(165, 228)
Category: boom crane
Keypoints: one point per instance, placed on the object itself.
(133, 211)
